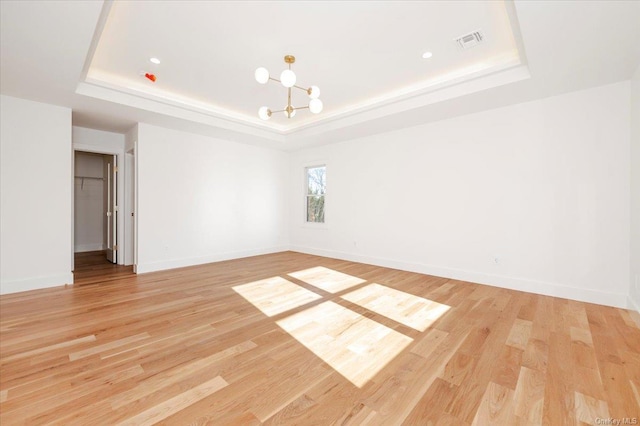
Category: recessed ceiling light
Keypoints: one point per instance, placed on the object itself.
(155, 60)
(427, 55)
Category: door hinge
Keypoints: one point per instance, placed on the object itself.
(116, 209)
(115, 169)
(115, 247)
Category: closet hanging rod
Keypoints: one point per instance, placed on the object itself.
(89, 177)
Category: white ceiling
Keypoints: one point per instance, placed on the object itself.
(359, 53)
(365, 56)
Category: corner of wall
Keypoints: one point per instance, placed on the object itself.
(634, 160)
(634, 304)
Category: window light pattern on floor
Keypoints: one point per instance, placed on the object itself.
(413, 311)
(275, 295)
(327, 279)
(354, 346)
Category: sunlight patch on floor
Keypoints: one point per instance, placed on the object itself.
(353, 345)
(327, 279)
(275, 295)
(413, 311)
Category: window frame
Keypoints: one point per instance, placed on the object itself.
(306, 168)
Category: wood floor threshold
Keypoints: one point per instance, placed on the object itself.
(290, 338)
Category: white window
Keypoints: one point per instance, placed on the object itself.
(316, 190)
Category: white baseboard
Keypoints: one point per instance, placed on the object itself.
(15, 286)
(512, 283)
(142, 268)
(81, 248)
(531, 286)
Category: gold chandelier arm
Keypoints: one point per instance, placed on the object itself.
(295, 85)
(296, 108)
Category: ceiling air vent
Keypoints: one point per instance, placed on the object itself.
(469, 40)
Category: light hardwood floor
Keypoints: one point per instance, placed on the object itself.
(93, 267)
(297, 339)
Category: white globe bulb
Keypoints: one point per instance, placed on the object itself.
(315, 92)
(288, 78)
(264, 113)
(262, 75)
(315, 106)
(293, 113)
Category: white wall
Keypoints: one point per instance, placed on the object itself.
(130, 142)
(98, 141)
(202, 199)
(634, 287)
(89, 209)
(541, 186)
(35, 200)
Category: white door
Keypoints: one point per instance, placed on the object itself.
(111, 203)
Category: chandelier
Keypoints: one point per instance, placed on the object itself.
(288, 80)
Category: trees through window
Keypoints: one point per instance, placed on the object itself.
(316, 177)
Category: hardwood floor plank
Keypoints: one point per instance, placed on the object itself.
(519, 335)
(279, 393)
(507, 367)
(496, 325)
(335, 402)
(50, 348)
(425, 346)
(529, 395)
(106, 346)
(175, 375)
(542, 320)
(49, 402)
(635, 387)
(430, 408)
(309, 340)
(587, 381)
(616, 382)
(293, 410)
(177, 403)
(497, 407)
(458, 368)
(589, 409)
(536, 355)
(395, 396)
(559, 391)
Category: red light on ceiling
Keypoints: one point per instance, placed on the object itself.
(150, 76)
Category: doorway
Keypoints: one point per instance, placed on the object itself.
(96, 247)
